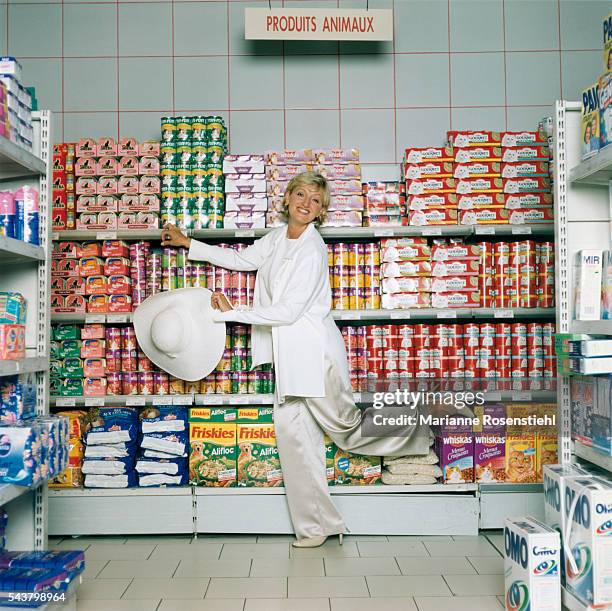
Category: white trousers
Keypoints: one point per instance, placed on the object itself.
(299, 424)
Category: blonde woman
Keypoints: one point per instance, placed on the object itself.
(292, 327)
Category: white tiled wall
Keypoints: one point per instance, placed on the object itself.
(115, 67)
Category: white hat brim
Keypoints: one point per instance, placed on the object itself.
(206, 339)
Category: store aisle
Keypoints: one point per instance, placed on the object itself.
(250, 573)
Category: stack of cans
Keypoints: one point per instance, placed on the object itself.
(545, 286)
(355, 341)
(138, 271)
(192, 152)
(354, 275)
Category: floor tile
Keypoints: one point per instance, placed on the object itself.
(54, 540)
(93, 567)
(487, 565)
(247, 587)
(253, 550)
(193, 553)
(461, 548)
(416, 538)
(225, 539)
(288, 604)
(423, 585)
(345, 567)
(167, 588)
(208, 604)
(468, 537)
(327, 587)
(287, 567)
(275, 538)
(159, 540)
(475, 585)
(502, 601)
(435, 566)
(69, 544)
(475, 603)
(151, 569)
(355, 538)
(213, 568)
(117, 605)
(329, 549)
(103, 589)
(101, 551)
(400, 548)
(498, 541)
(373, 604)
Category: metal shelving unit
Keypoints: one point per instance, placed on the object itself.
(593, 456)
(592, 327)
(26, 269)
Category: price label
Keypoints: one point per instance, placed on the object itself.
(521, 230)
(236, 399)
(493, 396)
(244, 233)
(55, 236)
(349, 316)
(400, 315)
(116, 318)
(65, 402)
(357, 397)
(521, 396)
(383, 233)
(503, 314)
(106, 235)
(446, 314)
(95, 318)
(162, 400)
(182, 400)
(213, 400)
(94, 402)
(484, 230)
(429, 231)
(135, 401)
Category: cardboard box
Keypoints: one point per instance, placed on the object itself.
(477, 169)
(587, 285)
(605, 110)
(433, 216)
(440, 169)
(356, 469)
(590, 121)
(490, 457)
(466, 139)
(477, 153)
(420, 155)
(521, 458)
(12, 342)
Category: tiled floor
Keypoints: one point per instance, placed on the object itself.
(263, 573)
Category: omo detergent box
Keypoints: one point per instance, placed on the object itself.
(531, 566)
(212, 441)
(588, 504)
(555, 479)
(258, 463)
(590, 121)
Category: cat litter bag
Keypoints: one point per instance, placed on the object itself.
(111, 450)
(111, 425)
(157, 454)
(170, 467)
(111, 481)
(17, 398)
(71, 562)
(30, 581)
(172, 443)
(162, 479)
(21, 452)
(108, 466)
(166, 418)
(55, 442)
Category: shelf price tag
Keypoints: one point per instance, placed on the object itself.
(383, 233)
(521, 396)
(135, 401)
(65, 402)
(521, 230)
(116, 318)
(95, 318)
(347, 316)
(482, 230)
(162, 400)
(503, 314)
(244, 233)
(446, 314)
(212, 399)
(106, 235)
(401, 315)
(55, 236)
(94, 401)
(493, 396)
(182, 399)
(429, 231)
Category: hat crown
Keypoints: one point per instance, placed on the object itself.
(168, 331)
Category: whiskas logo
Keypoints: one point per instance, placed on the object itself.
(516, 548)
(517, 597)
(552, 493)
(548, 567)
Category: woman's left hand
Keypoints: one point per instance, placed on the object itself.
(220, 302)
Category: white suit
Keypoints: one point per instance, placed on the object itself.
(294, 329)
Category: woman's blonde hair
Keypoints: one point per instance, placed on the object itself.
(313, 179)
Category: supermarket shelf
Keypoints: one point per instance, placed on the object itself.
(16, 161)
(28, 365)
(512, 488)
(9, 492)
(337, 490)
(326, 232)
(594, 171)
(18, 251)
(593, 456)
(594, 327)
(118, 492)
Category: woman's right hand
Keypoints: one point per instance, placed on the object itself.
(173, 236)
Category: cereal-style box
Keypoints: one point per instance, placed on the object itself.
(590, 121)
(330, 453)
(605, 109)
(532, 559)
(456, 453)
(356, 470)
(521, 458)
(546, 452)
(212, 447)
(607, 42)
(258, 463)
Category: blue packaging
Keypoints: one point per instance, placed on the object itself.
(8, 215)
(71, 562)
(27, 215)
(108, 466)
(176, 466)
(20, 454)
(17, 398)
(111, 425)
(166, 418)
(128, 480)
(55, 444)
(31, 580)
(13, 308)
(172, 443)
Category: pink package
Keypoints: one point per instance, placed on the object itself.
(327, 156)
(148, 166)
(138, 220)
(128, 185)
(236, 220)
(457, 299)
(86, 185)
(119, 303)
(245, 183)
(340, 171)
(456, 453)
(289, 156)
(128, 166)
(253, 202)
(339, 218)
(149, 185)
(92, 331)
(94, 387)
(243, 164)
(286, 172)
(127, 146)
(107, 185)
(86, 147)
(106, 147)
(85, 166)
(8, 214)
(94, 368)
(346, 202)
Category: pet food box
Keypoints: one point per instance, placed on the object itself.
(590, 121)
(356, 469)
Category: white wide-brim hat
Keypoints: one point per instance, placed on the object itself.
(176, 331)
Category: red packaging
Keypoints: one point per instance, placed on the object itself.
(406, 268)
(486, 201)
(93, 348)
(526, 153)
(119, 285)
(531, 216)
(420, 155)
(447, 252)
(456, 300)
(115, 248)
(514, 139)
(117, 266)
(113, 383)
(463, 139)
(161, 384)
(97, 304)
(468, 186)
(478, 169)
(477, 153)
(433, 200)
(145, 382)
(525, 168)
(454, 284)
(538, 184)
(75, 285)
(503, 339)
(433, 216)
(94, 368)
(75, 303)
(426, 186)
(96, 285)
(438, 169)
(129, 383)
(66, 267)
(455, 268)
(94, 387)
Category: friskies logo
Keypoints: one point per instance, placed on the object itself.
(517, 597)
(548, 567)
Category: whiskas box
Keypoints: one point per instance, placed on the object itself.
(605, 109)
(356, 470)
(258, 463)
(588, 544)
(521, 458)
(590, 121)
(555, 478)
(456, 453)
(531, 566)
(489, 457)
(212, 441)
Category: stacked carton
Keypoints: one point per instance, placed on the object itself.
(385, 204)
(72, 476)
(246, 202)
(17, 123)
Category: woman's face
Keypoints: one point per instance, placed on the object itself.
(305, 204)
(587, 133)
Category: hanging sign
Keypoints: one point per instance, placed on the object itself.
(317, 24)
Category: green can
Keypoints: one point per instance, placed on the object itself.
(168, 156)
(216, 198)
(198, 128)
(183, 130)
(169, 183)
(240, 385)
(251, 382)
(184, 155)
(199, 154)
(184, 182)
(168, 216)
(168, 129)
(215, 128)
(200, 180)
(215, 221)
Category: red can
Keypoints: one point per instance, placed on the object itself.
(161, 384)
(113, 383)
(550, 365)
(144, 364)
(534, 339)
(405, 334)
(486, 258)
(487, 340)
(146, 385)
(129, 383)
(113, 361)
(548, 339)
(129, 360)
(503, 366)
(376, 365)
(113, 338)
(535, 366)
(503, 339)
(128, 339)
(546, 253)
(487, 368)
(519, 367)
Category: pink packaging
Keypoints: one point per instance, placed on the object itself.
(127, 146)
(149, 185)
(327, 156)
(127, 166)
(346, 202)
(455, 268)
(433, 216)
(93, 348)
(108, 203)
(86, 147)
(245, 183)
(489, 457)
(85, 166)
(115, 248)
(92, 331)
(340, 171)
(117, 266)
(461, 299)
(254, 202)
(149, 147)
(106, 147)
(86, 185)
(119, 285)
(289, 157)
(75, 303)
(107, 166)
(236, 220)
(148, 166)
(446, 252)
(128, 203)
(403, 301)
(147, 202)
(338, 218)
(454, 284)
(456, 454)
(285, 172)
(243, 164)
(102, 221)
(94, 368)
(107, 185)
(406, 285)
(75, 285)
(88, 203)
(128, 185)
(94, 387)
(138, 220)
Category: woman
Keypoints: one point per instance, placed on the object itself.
(293, 328)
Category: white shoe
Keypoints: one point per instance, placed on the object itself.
(310, 542)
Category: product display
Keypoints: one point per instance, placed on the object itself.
(13, 309)
(72, 476)
(19, 214)
(15, 105)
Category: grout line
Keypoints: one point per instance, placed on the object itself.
(398, 565)
(472, 564)
(8, 29)
(159, 604)
(324, 568)
(127, 588)
(505, 67)
(448, 585)
(250, 567)
(365, 578)
(152, 552)
(101, 570)
(560, 49)
(207, 587)
(450, 80)
(176, 569)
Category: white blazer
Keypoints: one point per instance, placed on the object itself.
(302, 328)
